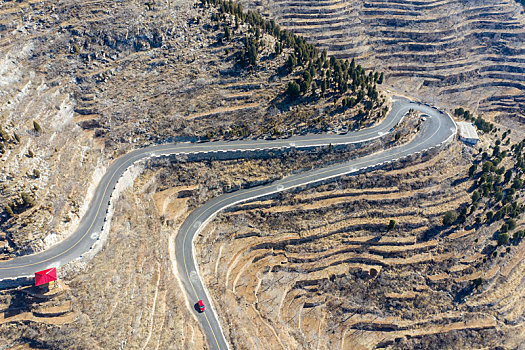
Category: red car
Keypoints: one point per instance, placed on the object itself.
(202, 308)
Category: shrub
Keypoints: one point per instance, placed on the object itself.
(503, 238)
(37, 126)
(477, 282)
(517, 183)
(9, 211)
(458, 112)
(488, 166)
(499, 215)
(483, 125)
(27, 200)
(511, 224)
(450, 217)
(391, 225)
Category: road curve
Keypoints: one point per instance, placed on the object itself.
(437, 129)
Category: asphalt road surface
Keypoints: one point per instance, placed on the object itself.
(437, 129)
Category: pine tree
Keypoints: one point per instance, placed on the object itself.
(292, 62)
(293, 90)
(380, 80)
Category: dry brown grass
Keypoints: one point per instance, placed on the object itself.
(325, 254)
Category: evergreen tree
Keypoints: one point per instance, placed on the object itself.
(292, 62)
(323, 86)
(391, 225)
(449, 218)
(293, 90)
(278, 48)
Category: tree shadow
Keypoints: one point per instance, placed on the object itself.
(433, 232)
(462, 180)
(460, 296)
(17, 305)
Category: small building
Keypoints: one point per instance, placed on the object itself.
(467, 133)
(45, 276)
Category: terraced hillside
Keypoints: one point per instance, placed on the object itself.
(125, 297)
(457, 52)
(320, 267)
(102, 78)
(316, 268)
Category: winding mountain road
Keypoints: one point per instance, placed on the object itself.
(437, 129)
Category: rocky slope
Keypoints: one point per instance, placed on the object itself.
(83, 82)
